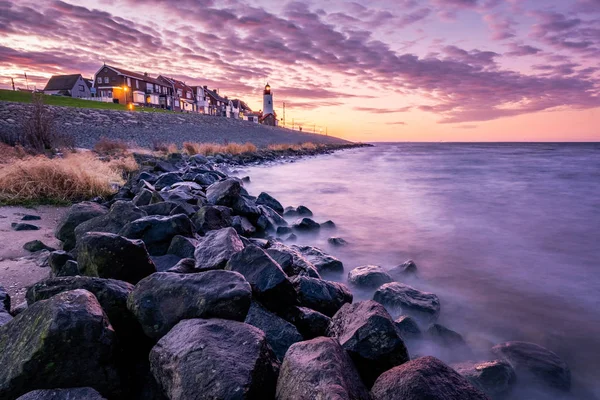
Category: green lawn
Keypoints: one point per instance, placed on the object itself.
(25, 97)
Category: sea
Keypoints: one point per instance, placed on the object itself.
(506, 234)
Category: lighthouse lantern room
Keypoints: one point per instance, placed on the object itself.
(268, 101)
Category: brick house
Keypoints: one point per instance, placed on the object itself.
(182, 94)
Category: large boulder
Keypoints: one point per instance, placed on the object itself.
(65, 341)
(157, 232)
(106, 255)
(164, 208)
(280, 333)
(243, 226)
(424, 378)
(85, 393)
(292, 261)
(216, 248)
(121, 213)
(310, 323)
(495, 378)
(319, 369)
(211, 218)
(266, 199)
(57, 261)
(368, 333)
(401, 299)
(214, 359)
(224, 193)
(182, 247)
(167, 179)
(320, 295)
(163, 299)
(534, 363)
(324, 262)
(146, 197)
(269, 283)
(5, 316)
(368, 277)
(77, 214)
(406, 269)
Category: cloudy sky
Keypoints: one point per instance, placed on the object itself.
(460, 70)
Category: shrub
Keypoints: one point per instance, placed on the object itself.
(165, 148)
(39, 132)
(110, 146)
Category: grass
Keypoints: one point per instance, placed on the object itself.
(209, 149)
(76, 177)
(296, 147)
(110, 146)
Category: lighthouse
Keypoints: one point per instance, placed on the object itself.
(268, 101)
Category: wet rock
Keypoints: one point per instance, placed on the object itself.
(323, 296)
(299, 211)
(167, 179)
(36, 245)
(30, 217)
(408, 327)
(5, 316)
(495, 378)
(18, 309)
(63, 394)
(270, 285)
(424, 378)
(199, 159)
(368, 333)
(57, 260)
(324, 262)
(216, 248)
(70, 268)
(328, 225)
(403, 270)
(214, 359)
(269, 220)
(368, 276)
(163, 299)
(401, 299)
(280, 333)
(306, 225)
(146, 197)
(120, 214)
(65, 341)
(21, 226)
(184, 266)
(244, 206)
(106, 255)
(224, 193)
(337, 241)
(165, 208)
(445, 337)
(310, 323)
(243, 226)
(291, 238)
(157, 232)
(77, 214)
(182, 247)
(166, 262)
(319, 369)
(267, 200)
(210, 218)
(283, 230)
(534, 363)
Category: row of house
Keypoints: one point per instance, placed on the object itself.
(118, 85)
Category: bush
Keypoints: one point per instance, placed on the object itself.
(39, 133)
(165, 148)
(109, 146)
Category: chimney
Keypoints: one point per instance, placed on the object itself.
(205, 87)
(145, 74)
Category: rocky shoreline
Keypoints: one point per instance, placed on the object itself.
(185, 286)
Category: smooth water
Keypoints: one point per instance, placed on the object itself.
(508, 235)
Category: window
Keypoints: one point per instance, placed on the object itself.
(81, 89)
(106, 79)
(105, 69)
(149, 87)
(188, 95)
(99, 80)
(179, 92)
(129, 82)
(137, 84)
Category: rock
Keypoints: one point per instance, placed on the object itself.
(163, 299)
(41, 258)
(368, 277)
(245, 207)
(269, 220)
(36, 245)
(445, 337)
(21, 226)
(106, 255)
(210, 218)
(184, 266)
(270, 285)
(120, 214)
(167, 179)
(403, 270)
(534, 363)
(5, 316)
(57, 261)
(30, 217)
(328, 225)
(216, 248)
(495, 378)
(65, 341)
(165, 208)
(224, 193)
(323, 296)
(243, 226)
(291, 238)
(408, 327)
(368, 333)
(310, 323)
(63, 394)
(182, 247)
(69, 268)
(164, 166)
(300, 211)
(146, 197)
(77, 214)
(337, 241)
(166, 262)
(280, 333)
(306, 225)
(319, 369)
(283, 230)
(267, 200)
(424, 378)
(299, 264)
(214, 359)
(19, 308)
(321, 260)
(199, 159)
(157, 232)
(401, 299)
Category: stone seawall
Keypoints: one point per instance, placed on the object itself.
(144, 129)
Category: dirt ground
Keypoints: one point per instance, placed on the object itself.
(18, 267)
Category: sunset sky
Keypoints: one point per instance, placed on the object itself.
(406, 70)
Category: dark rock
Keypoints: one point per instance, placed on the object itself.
(495, 378)
(106, 255)
(243, 226)
(368, 333)
(163, 299)
(63, 394)
(199, 159)
(166, 262)
(319, 369)
(36, 245)
(403, 270)
(77, 214)
(262, 243)
(19, 308)
(57, 261)
(5, 316)
(408, 327)
(120, 214)
(165, 208)
(21, 226)
(157, 232)
(184, 266)
(280, 333)
(310, 323)
(185, 208)
(215, 359)
(146, 197)
(147, 176)
(306, 225)
(284, 230)
(424, 378)
(167, 179)
(283, 258)
(216, 248)
(245, 207)
(534, 363)
(445, 337)
(324, 262)
(164, 166)
(269, 283)
(304, 211)
(224, 193)
(65, 341)
(267, 200)
(211, 218)
(41, 258)
(291, 238)
(29, 217)
(323, 296)
(269, 220)
(182, 247)
(328, 225)
(69, 268)
(368, 276)
(401, 299)
(246, 179)
(290, 212)
(337, 241)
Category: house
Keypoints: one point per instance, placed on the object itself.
(68, 85)
(182, 94)
(218, 105)
(122, 86)
(239, 109)
(252, 117)
(202, 99)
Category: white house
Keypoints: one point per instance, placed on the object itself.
(68, 85)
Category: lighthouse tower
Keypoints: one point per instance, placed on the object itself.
(268, 101)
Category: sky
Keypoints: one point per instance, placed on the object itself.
(378, 70)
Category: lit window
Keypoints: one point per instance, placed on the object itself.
(129, 82)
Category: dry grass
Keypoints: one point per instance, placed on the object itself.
(165, 148)
(210, 149)
(11, 153)
(75, 177)
(295, 147)
(109, 146)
